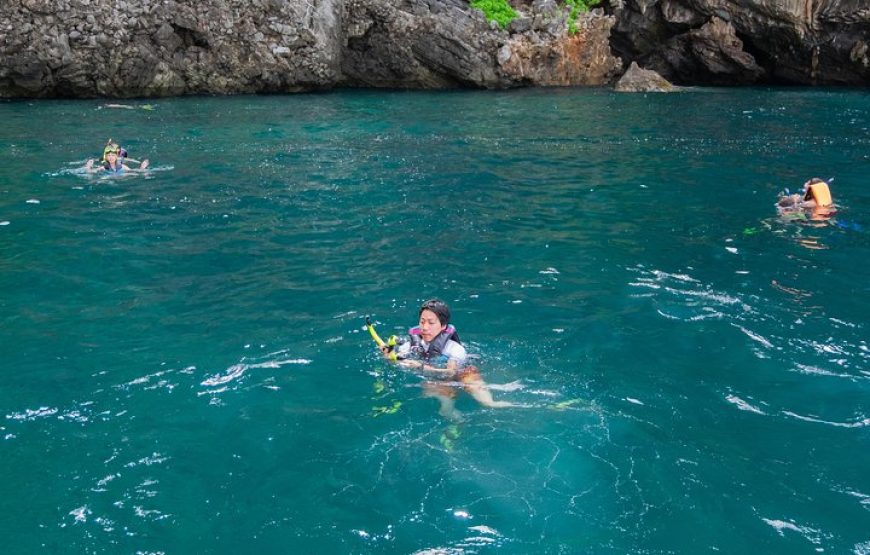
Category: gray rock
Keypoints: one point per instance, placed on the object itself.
(712, 55)
(637, 79)
(788, 41)
(520, 25)
(162, 47)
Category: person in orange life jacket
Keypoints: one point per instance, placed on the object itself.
(816, 194)
(814, 204)
(435, 350)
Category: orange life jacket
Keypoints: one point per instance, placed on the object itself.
(820, 193)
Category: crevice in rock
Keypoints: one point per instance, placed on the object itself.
(190, 37)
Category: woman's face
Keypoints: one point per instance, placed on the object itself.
(111, 158)
(430, 326)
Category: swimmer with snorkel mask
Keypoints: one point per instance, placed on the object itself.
(113, 159)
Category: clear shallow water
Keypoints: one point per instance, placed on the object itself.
(185, 369)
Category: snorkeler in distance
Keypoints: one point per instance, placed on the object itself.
(814, 203)
(113, 161)
(434, 350)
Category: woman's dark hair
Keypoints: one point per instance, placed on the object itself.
(439, 308)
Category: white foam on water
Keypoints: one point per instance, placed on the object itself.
(857, 424)
(816, 371)
(645, 284)
(237, 370)
(107, 479)
(154, 458)
(74, 415)
(477, 541)
(544, 392)
(754, 336)
(743, 405)
(781, 526)
(511, 386)
(679, 277)
(484, 530)
(80, 514)
(150, 514)
(344, 314)
(706, 295)
(31, 414)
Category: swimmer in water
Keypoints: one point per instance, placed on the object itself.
(434, 350)
(815, 202)
(113, 161)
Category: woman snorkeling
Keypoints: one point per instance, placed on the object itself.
(112, 161)
(433, 349)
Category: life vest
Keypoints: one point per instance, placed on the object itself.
(436, 347)
(820, 193)
(119, 167)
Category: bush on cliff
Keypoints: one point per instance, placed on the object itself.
(496, 10)
(578, 7)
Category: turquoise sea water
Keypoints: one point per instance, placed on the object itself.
(185, 369)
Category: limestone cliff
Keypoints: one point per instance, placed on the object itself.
(129, 48)
(119, 48)
(732, 42)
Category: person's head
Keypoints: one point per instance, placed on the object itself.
(110, 147)
(434, 317)
(111, 156)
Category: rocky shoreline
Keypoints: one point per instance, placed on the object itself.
(155, 48)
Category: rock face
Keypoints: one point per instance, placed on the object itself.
(123, 48)
(127, 48)
(642, 80)
(156, 48)
(734, 42)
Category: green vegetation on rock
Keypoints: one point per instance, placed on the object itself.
(578, 7)
(496, 10)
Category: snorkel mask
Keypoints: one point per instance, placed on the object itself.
(114, 147)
